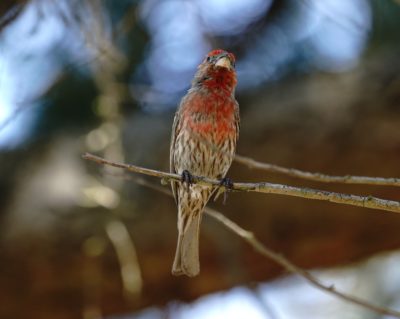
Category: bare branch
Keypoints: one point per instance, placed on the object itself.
(279, 259)
(265, 187)
(348, 179)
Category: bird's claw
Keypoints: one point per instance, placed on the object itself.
(187, 178)
(227, 183)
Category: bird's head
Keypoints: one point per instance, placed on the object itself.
(217, 71)
(220, 59)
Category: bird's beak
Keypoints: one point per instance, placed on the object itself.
(224, 62)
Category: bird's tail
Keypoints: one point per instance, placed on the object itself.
(186, 260)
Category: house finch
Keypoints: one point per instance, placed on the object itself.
(203, 143)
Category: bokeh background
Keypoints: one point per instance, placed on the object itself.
(319, 90)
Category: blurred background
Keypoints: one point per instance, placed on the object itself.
(319, 90)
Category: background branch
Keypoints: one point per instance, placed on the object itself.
(264, 187)
(126, 253)
(347, 179)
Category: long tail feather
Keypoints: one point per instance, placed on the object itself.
(187, 251)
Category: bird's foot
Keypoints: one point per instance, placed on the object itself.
(227, 185)
(187, 178)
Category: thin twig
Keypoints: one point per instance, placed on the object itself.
(265, 187)
(278, 258)
(347, 179)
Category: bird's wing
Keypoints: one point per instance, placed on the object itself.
(175, 127)
(237, 120)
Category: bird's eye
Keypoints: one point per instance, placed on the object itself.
(208, 59)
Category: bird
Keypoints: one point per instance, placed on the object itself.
(203, 143)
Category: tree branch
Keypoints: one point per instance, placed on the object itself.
(265, 187)
(279, 259)
(348, 179)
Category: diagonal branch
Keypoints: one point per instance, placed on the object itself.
(347, 179)
(279, 259)
(265, 187)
